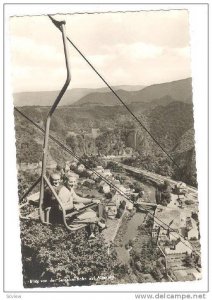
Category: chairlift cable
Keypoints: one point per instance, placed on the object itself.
(103, 178)
(118, 97)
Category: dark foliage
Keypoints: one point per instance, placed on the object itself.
(55, 257)
(170, 124)
(163, 194)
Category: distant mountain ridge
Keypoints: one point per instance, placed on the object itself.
(46, 98)
(163, 93)
(180, 90)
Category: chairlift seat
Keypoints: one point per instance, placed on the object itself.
(73, 219)
(34, 199)
(34, 215)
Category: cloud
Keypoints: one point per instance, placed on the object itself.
(26, 51)
(126, 48)
(184, 52)
(161, 28)
(140, 50)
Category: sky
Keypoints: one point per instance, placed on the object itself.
(127, 48)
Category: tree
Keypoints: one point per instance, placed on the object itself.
(194, 215)
(113, 166)
(189, 202)
(149, 223)
(188, 261)
(156, 273)
(163, 193)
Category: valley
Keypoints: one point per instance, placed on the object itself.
(105, 138)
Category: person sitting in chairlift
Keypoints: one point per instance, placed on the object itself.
(49, 200)
(71, 202)
(69, 198)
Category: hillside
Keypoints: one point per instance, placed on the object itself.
(180, 90)
(171, 124)
(186, 142)
(106, 98)
(46, 98)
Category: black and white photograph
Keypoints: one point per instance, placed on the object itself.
(106, 162)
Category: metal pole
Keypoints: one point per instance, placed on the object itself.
(30, 189)
(61, 26)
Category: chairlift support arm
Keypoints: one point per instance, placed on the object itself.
(61, 26)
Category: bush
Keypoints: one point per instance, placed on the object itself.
(195, 216)
(156, 273)
(163, 194)
(189, 202)
(108, 196)
(89, 183)
(113, 166)
(149, 222)
(138, 187)
(129, 161)
(130, 243)
(193, 238)
(188, 261)
(52, 253)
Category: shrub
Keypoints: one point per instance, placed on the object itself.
(113, 166)
(156, 273)
(195, 216)
(189, 202)
(52, 253)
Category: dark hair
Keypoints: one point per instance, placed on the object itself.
(52, 174)
(59, 168)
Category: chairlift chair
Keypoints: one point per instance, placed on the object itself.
(33, 207)
(30, 211)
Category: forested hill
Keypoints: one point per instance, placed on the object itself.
(164, 93)
(46, 98)
(171, 124)
(180, 90)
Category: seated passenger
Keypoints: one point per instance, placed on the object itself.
(69, 198)
(71, 201)
(49, 200)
